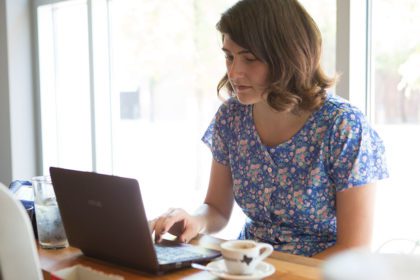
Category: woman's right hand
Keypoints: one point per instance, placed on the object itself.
(210, 217)
(178, 222)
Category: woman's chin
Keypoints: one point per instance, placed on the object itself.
(247, 100)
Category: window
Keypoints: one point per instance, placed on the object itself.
(126, 91)
(166, 63)
(64, 84)
(395, 107)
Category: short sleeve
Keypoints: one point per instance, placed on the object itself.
(357, 154)
(217, 134)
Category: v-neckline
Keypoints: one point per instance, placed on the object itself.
(266, 149)
(256, 134)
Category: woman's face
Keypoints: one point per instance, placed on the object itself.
(247, 75)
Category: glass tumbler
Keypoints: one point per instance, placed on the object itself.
(51, 234)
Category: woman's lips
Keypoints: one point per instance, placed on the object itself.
(241, 87)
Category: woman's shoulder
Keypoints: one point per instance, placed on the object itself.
(336, 108)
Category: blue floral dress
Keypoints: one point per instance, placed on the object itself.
(288, 192)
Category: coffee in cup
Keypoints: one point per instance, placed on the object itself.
(243, 256)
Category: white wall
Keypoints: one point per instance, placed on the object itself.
(17, 117)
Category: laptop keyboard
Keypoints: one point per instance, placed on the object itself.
(168, 254)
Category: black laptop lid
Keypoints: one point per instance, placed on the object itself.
(98, 213)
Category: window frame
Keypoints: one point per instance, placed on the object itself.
(353, 52)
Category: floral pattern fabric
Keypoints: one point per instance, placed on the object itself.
(288, 192)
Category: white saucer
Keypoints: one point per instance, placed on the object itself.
(262, 270)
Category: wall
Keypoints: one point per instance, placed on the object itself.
(17, 117)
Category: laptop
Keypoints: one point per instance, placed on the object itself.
(103, 216)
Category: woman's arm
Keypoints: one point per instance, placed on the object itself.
(355, 209)
(211, 217)
(219, 199)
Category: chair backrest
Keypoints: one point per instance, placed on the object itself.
(18, 253)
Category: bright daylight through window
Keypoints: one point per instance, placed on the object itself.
(396, 112)
(64, 84)
(161, 91)
(129, 86)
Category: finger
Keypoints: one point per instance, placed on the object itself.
(188, 234)
(177, 228)
(159, 221)
(163, 225)
(159, 228)
(174, 223)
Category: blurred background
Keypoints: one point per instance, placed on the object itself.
(128, 87)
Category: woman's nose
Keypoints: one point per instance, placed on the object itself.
(234, 70)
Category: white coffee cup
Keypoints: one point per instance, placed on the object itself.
(243, 256)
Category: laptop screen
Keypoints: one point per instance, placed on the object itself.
(104, 216)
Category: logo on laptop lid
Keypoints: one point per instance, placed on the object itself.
(95, 203)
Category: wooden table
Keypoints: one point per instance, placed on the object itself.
(288, 267)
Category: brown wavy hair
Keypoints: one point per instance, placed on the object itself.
(282, 34)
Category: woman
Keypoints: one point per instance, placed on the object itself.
(301, 163)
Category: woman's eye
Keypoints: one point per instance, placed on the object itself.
(228, 57)
(250, 59)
